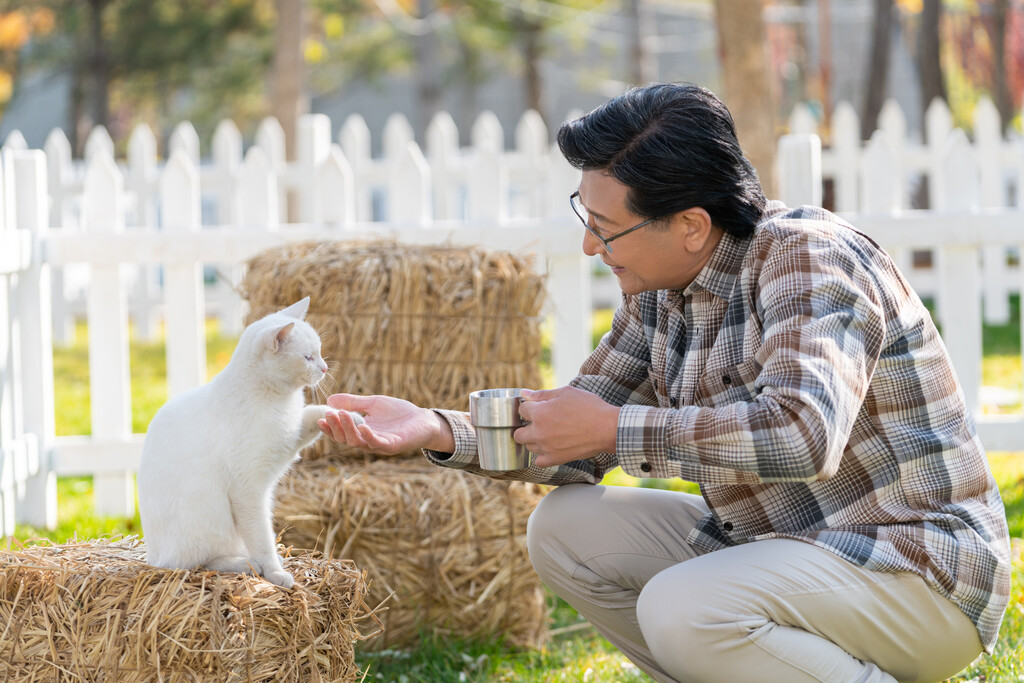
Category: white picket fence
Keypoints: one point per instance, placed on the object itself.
(125, 221)
(143, 214)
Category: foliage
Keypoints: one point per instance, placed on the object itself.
(18, 25)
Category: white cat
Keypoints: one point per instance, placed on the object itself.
(213, 455)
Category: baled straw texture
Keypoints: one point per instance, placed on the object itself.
(450, 546)
(429, 324)
(94, 611)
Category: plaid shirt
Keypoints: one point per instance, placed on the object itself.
(800, 381)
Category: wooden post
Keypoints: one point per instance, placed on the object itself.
(38, 504)
(109, 381)
(183, 289)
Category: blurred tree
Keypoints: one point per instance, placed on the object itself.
(642, 30)
(288, 96)
(878, 66)
(928, 57)
(748, 82)
(156, 59)
(18, 25)
(1000, 77)
(441, 43)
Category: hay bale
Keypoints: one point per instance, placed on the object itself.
(95, 611)
(450, 546)
(428, 324)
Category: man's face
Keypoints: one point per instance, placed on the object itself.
(666, 255)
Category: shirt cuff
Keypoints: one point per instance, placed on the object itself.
(641, 441)
(465, 441)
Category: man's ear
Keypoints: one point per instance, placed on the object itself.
(696, 224)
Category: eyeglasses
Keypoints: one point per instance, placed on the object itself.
(584, 216)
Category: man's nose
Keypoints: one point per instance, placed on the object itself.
(591, 245)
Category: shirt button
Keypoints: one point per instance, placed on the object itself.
(727, 526)
(726, 379)
(645, 466)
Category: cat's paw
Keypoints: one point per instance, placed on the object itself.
(280, 577)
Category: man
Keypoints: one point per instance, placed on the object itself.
(849, 528)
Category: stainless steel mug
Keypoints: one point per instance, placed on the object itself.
(495, 415)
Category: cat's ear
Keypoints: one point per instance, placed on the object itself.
(297, 310)
(281, 335)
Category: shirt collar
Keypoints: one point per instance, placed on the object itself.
(718, 276)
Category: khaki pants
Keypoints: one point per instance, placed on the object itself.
(773, 610)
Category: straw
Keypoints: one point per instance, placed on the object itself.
(429, 324)
(451, 546)
(94, 611)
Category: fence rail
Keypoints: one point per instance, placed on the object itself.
(130, 238)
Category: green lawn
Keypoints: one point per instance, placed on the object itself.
(575, 652)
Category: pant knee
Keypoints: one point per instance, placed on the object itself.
(683, 626)
(548, 522)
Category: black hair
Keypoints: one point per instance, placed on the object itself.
(674, 146)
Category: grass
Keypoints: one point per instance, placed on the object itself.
(576, 652)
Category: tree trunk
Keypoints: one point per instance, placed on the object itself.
(1000, 82)
(929, 63)
(747, 82)
(878, 67)
(99, 66)
(287, 75)
(643, 65)
(529, 35)
(428, 85)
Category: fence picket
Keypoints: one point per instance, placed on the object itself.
(60, 174)
(959, 270)
(270, 138)
(37, 505)
(98, 143)
(988, 143)
(442, 143)
(336, 187)
(409, 189)
(846, 146)
(800, 157)
(109, 383)
(183, 292)
(313, 146)
(354, 138)
(184, 138)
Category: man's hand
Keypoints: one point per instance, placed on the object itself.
(567, 424)
(391, 425)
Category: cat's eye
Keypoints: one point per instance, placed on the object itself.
(309, 357)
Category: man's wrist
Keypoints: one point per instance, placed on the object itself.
(444, 439)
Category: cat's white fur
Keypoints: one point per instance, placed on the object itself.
(213, 455)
